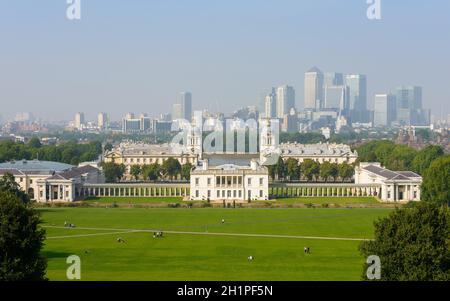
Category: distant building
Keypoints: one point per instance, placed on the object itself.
(79, 121)
(102, 121)
(409, 106)
(336, 97)
(290, 122)
(130, 124)
(270, 105)
(182, 109)
(357, 98)
(314, 88)
(333, 79)
(384, 110)
(285, 100)
(395, 186)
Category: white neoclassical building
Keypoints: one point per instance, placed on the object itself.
(47, 181)
(395, 186)
(229, 182)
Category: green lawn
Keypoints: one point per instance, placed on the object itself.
(188, 256)
(329, 200)
(134, 200)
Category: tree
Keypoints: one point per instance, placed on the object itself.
(310, 169)
(108, 147)
(436, 181)
(34, 142)
(151, 172)
(186, 171)
(9, 184)
(292, 169)
(280, 169)
(346, 171)
(412, 244)
(21, 240)
(334, 171)
(325, 170)
(135, 171)
(425, 157)
(171, 167)
(113, 171)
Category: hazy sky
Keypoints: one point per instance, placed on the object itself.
(136, 55)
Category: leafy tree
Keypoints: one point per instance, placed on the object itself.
(346, 171)
(310, 169)
(325, 170)
(108, 147)
(272, 171)
(135, 171)
(21, 240)
(305, 138)
(412, 244)
(425, 157)
(436, 181)
(292, 169)
(171, 167)
(9, 184)
(151, 172)
(34, 143)
(334, 171)
(280, 169)
(113, 171)
(186, 171)
(400, 158)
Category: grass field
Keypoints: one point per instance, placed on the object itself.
(134, 200)
(197, 246)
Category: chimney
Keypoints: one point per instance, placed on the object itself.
(254, 165)
(205, 164)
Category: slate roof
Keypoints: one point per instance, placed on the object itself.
(36, 166)
(391, 175)
(73, 173)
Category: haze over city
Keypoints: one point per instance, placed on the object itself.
(137, 56)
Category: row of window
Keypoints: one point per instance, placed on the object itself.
(228, 181)
(148, 160)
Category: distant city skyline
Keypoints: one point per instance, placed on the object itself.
(121, 57)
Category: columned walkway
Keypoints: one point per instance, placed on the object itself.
(323, 189)
(134, 190)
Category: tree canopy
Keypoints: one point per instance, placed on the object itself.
(21, 240)
(412, 244)
(436, 181)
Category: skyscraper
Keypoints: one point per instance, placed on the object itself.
(79, 120)
(285, 100)
(409, 106)
(186, 105)
(333, 79)
(336, 97)
(313, 89)
(177, 111)
(270, 105)
(357, 85)
(384, 110)
(102, 121)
